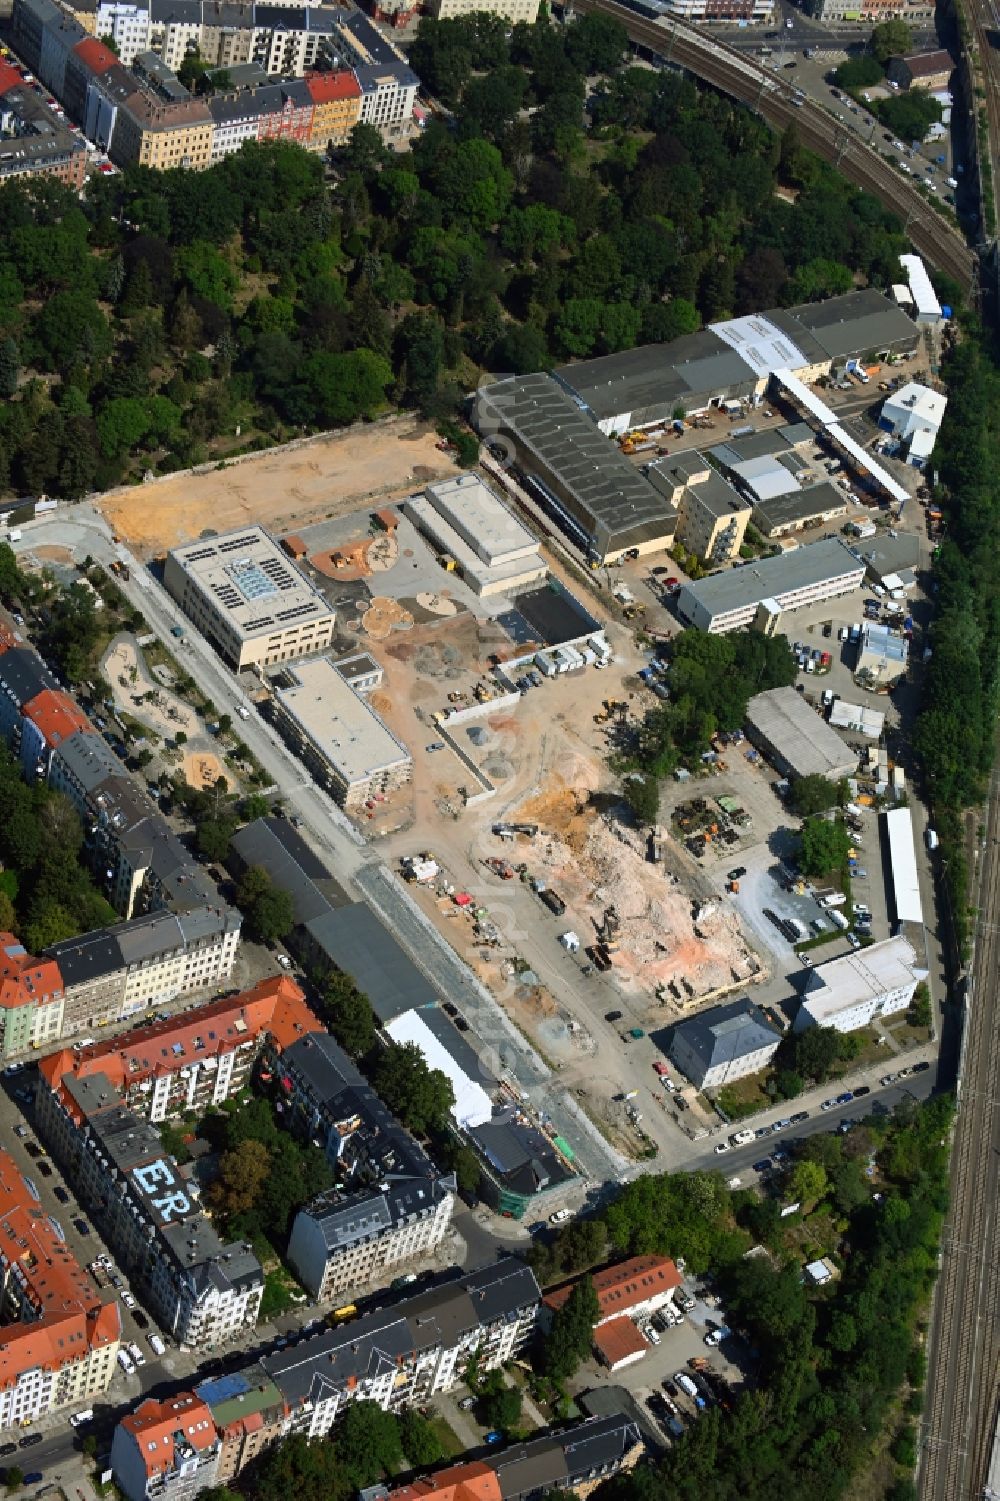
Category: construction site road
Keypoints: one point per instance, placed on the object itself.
(781, 105)
(84, 531)
(963, 1383)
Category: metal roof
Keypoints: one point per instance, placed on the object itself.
(800, 506)
(802, 740)
(903, 861)
(774, 577)
(357, 942)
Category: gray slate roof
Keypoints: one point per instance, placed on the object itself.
(727, 1032)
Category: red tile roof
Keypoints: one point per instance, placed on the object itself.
(55, 716)
(8, 640)
(24, 979)
(475, 1481)
(71, 1320)
(626, 1285)
(618, 1340)
(9, 79)
(157, 1427)
(277, 1006)
(324, 88)
(95, 55)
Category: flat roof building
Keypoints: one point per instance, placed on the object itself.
(849, 992)
(248, 598)
(903, 865)
(760, 592)
(337, 733)
(466, 522)
(913, 408)
(711, 516)
(726, 1043)
(793, 737)
(780, 515)
(857, 718)
(882, 654)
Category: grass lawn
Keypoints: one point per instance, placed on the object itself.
(745, 1096)
(449, 1440)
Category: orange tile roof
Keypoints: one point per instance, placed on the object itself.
(324, 88)
(95, 55)
(9, 79)
(56, 716)
(8, 640)
(475, 1481)
(619, 1338)
(157, 1427)
(24, 979)
(71, 1320)
(622, 1287)
(276, 1005)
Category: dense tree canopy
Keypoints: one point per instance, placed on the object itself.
(170, 310)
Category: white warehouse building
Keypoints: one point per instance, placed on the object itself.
(850, 992)
(468, 524)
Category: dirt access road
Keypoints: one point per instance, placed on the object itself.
(284, 489)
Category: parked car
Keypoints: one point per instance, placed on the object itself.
(136, 1353)
(862, 1090)
(828, 1105)
(764, 1165)
(920, 1068)
(30, 1440)
(61, 1194)
(128, 1299)
(845, 1098)
(159, 1348)
(81, 1226)
(126, 1362)
(560, 1216)
(799, 1117)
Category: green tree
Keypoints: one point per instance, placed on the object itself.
(921, 1010)
(10, 367)
(13, 1477)
(368, 1444)
(891, 39)
(213, 837)
(808, 1182)
(823, 846)
(499, 1404)
(268, 910)
(241, 1177)
(349, 1013)
(642, 794)
(419, 1439)
(307, 1469)
(815, 794)
(859, 72)
(421, 1097)
(571, 1332)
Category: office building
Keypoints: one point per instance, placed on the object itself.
(59, 1342)
(193, 1060)
(579, 1459)
(786, 730)
(473, 530)
(166, 1450)
(148, 1211)
(763, 591)
(722, 1044)
(348, 748)
(392, 1205)
(248, 599)
(856, 989)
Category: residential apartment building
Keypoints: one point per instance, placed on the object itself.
(577, 1459)
(248, 599)
(726, 1043)
(31, 999)
(397, 1357)
(849, 992)
(336, 101)
(391, 1204)
(697, 12)
(166, 1450)
(149, 1213)
(35, 140)
(127, 24)
(511, 11)
(193, 1060)
(388, 84)
(59, 1342)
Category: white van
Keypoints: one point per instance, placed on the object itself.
(156, 1344)
(686, 1384)
(741, 1138)
(79, 1418)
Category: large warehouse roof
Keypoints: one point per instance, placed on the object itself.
(609, 491)
(807, 746)
(903, 860)
(657, 377)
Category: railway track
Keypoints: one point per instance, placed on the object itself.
(736, 75)
(964, 1374)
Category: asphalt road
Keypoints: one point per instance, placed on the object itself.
(964, 1379)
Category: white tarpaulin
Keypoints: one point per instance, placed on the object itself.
(473, 1106)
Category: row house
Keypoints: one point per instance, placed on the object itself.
(59, 1342)
(149, 1213)
(166, 1450)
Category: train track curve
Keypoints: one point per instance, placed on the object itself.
(726, 69)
